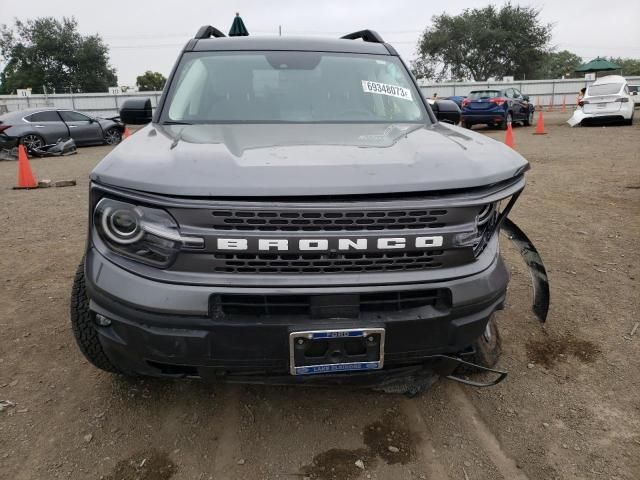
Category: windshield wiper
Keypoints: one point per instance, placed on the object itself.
(174, 122)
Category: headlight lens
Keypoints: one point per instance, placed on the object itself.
(149, 235)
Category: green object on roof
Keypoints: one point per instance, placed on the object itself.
(237, 28)
(598, 65)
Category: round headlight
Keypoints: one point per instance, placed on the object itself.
(122, 225)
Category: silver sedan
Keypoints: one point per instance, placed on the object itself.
(37, 127)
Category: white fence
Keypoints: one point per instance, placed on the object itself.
(97, 104)
(541, 92)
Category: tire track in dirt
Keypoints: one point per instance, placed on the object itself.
(490, 444)
(229, 437)
(430, 463)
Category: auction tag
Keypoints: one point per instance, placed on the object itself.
(385, 89)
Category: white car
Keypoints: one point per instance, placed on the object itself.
(608, 99)
(634, 90)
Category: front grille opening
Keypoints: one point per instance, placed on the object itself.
(340, 305)
(323, 263)
(174, 370)
(311, 221)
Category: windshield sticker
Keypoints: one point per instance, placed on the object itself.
(384, 89)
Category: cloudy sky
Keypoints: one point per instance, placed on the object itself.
(145, 35)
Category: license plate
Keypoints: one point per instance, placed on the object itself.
(333, 351)
(602, 105)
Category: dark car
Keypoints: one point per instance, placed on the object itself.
(7, 144)
(457, 99)
(294, 212)
(496, 108)
(37, 127)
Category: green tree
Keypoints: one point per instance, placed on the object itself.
(151, 81)
(481, 43)
(630, 66)
(559, 64)
(50, 53)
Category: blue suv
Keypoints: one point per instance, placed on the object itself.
(496, 108)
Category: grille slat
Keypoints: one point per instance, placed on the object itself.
(292, 221)
(316, 263)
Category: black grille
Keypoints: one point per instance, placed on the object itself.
(342, 263)
(327, 220)
(327, 306)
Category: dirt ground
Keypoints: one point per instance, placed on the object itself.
(569, 409)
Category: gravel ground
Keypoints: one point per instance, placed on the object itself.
(569, 409)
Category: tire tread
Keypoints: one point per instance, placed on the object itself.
(82, 325)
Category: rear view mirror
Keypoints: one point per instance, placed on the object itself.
(136, 111)
(446, 111)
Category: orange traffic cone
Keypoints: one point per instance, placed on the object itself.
(508, 137)
(540, 124)
(551, 103)
(25, 175)
(564, 104)
(126, 133)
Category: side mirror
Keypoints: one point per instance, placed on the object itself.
(136, 111)
(446, 111)
(525, 98)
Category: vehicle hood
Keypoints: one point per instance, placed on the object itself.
(260, 160)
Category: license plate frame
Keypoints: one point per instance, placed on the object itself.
(336, 334)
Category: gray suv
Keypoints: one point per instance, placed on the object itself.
(37, 127)
(294, 211)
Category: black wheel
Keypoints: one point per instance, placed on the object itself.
(488, 346)
(113, 136)
(507, 120)
(83, 327)
(32, 141)
(529, 120)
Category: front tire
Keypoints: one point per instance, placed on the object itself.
(488, 347)
(529, 120)
(84, 329)
(32, 141)
(113, 136)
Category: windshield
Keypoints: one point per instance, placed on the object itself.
(228, 87)
(604, 89)
(484, 94)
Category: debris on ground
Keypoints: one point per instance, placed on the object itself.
(65, 183)
(5, 404)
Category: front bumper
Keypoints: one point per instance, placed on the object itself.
(163, 329)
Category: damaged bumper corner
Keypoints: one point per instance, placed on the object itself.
(532, 258)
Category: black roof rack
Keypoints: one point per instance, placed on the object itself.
(366, 35)
(207, 31)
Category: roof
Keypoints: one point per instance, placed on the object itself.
(610, 79)
(598, 65)
(311, 44)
